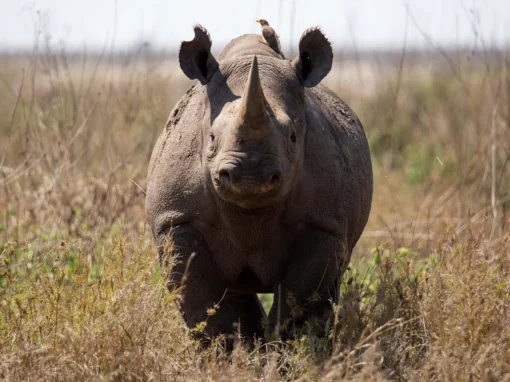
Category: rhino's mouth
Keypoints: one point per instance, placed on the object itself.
(249, 185)
(250, 191)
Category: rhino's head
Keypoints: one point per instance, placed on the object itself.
(254, 125)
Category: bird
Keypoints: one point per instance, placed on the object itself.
(270, 36)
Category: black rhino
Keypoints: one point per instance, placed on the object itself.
(262, 179)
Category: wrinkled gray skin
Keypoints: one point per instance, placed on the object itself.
(266, 177)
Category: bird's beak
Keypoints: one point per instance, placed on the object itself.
(258, 21)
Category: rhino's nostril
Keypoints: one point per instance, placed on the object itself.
(224, 176)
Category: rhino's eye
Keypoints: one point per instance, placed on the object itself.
(211, 138)
(293, 138)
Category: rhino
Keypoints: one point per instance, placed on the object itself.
(261, 182)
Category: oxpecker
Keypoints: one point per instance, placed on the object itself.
(270, 36)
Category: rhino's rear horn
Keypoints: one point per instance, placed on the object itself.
(253, 110)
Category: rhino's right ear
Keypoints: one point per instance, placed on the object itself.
(315, 57)
(195, 56)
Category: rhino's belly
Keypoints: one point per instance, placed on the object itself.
(249, 282)
(249, 270)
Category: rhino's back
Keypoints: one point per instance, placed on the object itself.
(337, 166)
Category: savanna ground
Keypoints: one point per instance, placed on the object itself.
(427, 295)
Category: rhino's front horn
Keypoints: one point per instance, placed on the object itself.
(253, 110)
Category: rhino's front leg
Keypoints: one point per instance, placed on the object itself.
(310, 284)
(203, 295)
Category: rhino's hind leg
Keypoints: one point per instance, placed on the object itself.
(310, 285)
(203, 295)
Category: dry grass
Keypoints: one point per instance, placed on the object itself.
(427, 294)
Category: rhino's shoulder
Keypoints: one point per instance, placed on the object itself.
(174, 178)
(182, 119)
(337, 163)
(335, 122)
(179, 109)
(343, 118)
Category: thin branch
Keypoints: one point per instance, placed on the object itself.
(18, 98)
(493, 172)
(139, 187)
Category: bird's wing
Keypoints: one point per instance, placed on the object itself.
(272, 39)
(279, 46)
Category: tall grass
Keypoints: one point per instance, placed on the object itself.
(426, 296)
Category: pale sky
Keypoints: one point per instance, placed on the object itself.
(361, 23)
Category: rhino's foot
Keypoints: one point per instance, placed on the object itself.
(238, 320)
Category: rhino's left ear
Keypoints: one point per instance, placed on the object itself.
(315, 57)
(195, 56)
